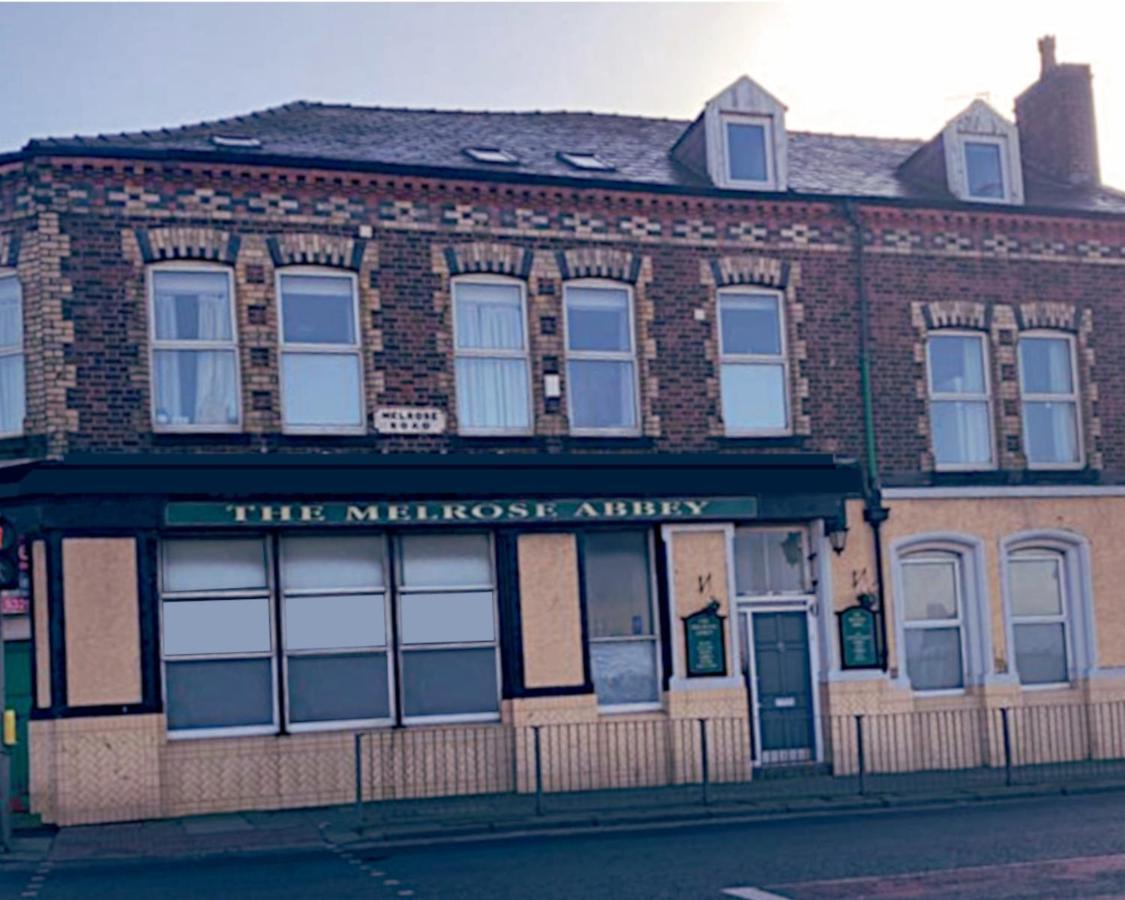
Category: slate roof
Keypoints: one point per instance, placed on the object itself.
(637, 148)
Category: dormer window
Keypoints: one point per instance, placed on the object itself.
(747, 149)
(739, 142)
(491, 155)
(587, 161)
(984, 170)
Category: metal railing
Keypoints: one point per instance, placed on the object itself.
(496, 770)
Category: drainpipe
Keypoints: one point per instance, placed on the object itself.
(874, 513)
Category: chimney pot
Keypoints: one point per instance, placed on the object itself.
(1047, 59)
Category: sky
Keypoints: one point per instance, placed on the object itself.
(898, 70)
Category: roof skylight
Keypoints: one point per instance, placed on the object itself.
(493, 155)
(588, 161)
(236, 142)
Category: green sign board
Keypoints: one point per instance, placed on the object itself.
(858, 646)
(459, 512)
(706, 642)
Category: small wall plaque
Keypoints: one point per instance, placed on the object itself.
(859, 647)
(409, 420)
(706, 642)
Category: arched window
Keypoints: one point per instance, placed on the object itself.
(1047, 606)
(940, 612)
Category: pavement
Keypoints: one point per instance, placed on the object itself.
(1046, 846)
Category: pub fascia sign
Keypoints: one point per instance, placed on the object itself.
(453, 512)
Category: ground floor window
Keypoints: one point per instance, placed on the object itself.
(1037, 604)
(621, 620)
(351, 630)
(932, 609)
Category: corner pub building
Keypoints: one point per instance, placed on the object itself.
(329, 419)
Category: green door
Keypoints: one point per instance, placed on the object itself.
(17, 684)
(784, 688)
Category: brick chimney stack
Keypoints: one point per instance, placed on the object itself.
(1055, 117)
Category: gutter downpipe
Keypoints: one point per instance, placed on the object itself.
(874, 513)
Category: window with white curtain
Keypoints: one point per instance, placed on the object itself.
(932, 611)
(321, 366)
(13, 393)
(960, 409)
(1037, 604)
(218, 636)
(601, 358)
(194, 350)
(621, 619)
(492, 368)
(1049, 401)
(334, 607)
(770, 561)
(447, 627)
(753, 371)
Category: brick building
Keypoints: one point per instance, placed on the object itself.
(329, 418)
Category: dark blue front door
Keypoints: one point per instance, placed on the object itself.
(784, 685)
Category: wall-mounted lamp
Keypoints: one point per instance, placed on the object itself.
(837, 534)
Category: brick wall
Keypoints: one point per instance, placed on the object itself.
(99, 221)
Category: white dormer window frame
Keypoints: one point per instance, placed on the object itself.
(1001, 144)
(766, 123)
(980, 124)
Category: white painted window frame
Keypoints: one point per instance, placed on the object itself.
(403, 648)
(735, 359)
(1001, 143)
(20, 351)
(460, 352)
(354, 349)
(1074, 397)
(233, 345)
(603, 356)
(655, 638)
(728, 117)
(949, 396)
(1059, 557)
(387, 647)
(267, 593)
(922, 555)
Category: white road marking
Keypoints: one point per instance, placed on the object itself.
(751, 893)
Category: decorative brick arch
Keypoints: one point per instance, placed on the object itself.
(483, 258)
(207, 244)
(312, 249)
(599, 262)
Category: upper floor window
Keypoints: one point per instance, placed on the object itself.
(492, 368)
(960, 409)
(601, 359)
(194, 350)
(753, 367)
(13, 394)
(984, 169)
(748, 142)
(1049, 399)
(1037, 605)
(321, 368)
(624, 650)
(932, 612)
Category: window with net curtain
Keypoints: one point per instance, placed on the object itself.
(321, 371)
(195, 381)
(959, 400)
(1049, 400)
(13, 394)
(932, 620)
(624, 650)
(770, 561)
(601, 360)
(1037, 604)
(492, 369)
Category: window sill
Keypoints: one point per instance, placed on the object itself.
(340, 725)
(325, 431)
(1053, 686)
(941, 692)
(197, 734)
(621, 709)
(463, 719)
(196, 429)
